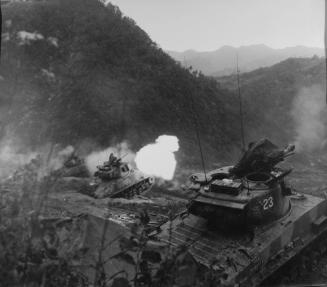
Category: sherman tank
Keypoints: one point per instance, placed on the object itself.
(117, 179)
(246, 222)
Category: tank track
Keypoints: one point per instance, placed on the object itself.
(299, 265)
(135, 189)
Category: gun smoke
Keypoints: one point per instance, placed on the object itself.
(11, 158)
(158, 158)
(310, 116)
(15, 156)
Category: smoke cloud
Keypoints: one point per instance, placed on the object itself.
(11, 158)
(59, 157)
(158, 158)
(14, 155)
(310, 116)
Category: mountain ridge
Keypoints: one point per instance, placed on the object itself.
(222, 61)
(107, 82)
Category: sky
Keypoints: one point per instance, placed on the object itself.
(206, 25)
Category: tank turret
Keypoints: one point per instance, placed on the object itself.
(252, 192)
(245, 223)
(112, 169)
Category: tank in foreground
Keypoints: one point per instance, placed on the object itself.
(245, 222)
(118, 179)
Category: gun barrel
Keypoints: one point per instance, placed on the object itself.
(285, 173)
(289, 154)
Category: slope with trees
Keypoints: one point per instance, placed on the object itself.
(269, 95)
(75, 70)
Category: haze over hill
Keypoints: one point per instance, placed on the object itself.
(223, 60)
(286, 102)
(77, 71)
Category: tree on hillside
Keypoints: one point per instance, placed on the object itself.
(88, 70)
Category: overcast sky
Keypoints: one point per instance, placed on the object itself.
(206, 25)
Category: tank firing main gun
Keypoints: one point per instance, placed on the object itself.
(119, 179)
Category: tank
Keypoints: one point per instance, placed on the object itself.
(73, 166)
(245, 222)
(116, 178)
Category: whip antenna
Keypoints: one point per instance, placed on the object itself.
(240, 101)
(195, 120)
(195, 123)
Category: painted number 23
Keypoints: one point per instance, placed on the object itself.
(268, 203)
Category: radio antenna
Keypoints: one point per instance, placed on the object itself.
(240, 101)
(195, 121)
(196, 126)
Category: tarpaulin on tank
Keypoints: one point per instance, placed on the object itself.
(261, 156)
(102, 240)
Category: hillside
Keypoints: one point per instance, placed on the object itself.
(77, 70)
(223, 60)
(286, 102)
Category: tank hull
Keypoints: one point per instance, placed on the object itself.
(248, 258)
(134, 183)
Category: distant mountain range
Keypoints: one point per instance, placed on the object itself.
(223, 61)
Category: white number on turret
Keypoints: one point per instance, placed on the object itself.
(268, 203)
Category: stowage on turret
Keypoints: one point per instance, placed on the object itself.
(252, 192)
